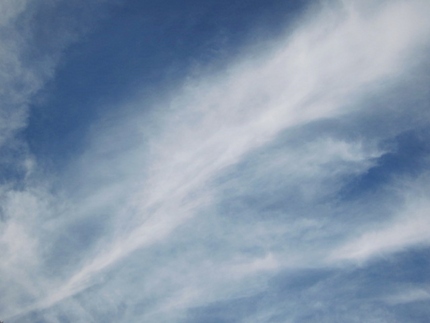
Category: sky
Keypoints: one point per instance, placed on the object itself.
(214, 161)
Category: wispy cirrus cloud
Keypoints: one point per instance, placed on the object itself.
(230, 180)
(253, 101)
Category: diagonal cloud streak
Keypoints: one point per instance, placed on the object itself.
(317, 72)
(144, 178)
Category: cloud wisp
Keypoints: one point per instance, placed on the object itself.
(409, 228)
(150, 185)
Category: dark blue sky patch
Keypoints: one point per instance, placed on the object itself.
(412, 266)
(408, 157)
(143, 46)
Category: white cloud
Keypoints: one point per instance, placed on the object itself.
(156, 185)
(408, 295)
(409, 228)
(25, 67)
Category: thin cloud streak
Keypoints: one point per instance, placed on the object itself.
(409, 295)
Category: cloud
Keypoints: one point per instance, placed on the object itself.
(142, 212)
(408, 228)
(409, 295)
(28, 61)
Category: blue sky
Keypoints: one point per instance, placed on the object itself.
(214, 161)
